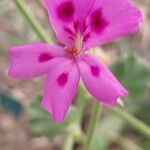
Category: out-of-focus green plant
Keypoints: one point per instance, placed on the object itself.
(39, 30)
(134, 74)
(104, 132)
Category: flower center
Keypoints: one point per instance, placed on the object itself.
(75, 52)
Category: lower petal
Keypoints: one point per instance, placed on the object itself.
(60, 89)
(100, 82)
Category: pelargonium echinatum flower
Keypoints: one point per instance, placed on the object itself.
(78, 25)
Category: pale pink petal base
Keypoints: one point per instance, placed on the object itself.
(60, 89)
(32, 60)
(100, 82)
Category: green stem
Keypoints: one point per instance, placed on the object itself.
(81, 103)
(91, 128)
(32, 21)
(137, 124)
(69, 142)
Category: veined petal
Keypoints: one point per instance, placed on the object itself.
(111, 19)
(60, 89)
(100, 82)
(29, 61)
(83, 8)
(65, 17)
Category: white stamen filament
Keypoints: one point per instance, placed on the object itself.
(78, 43)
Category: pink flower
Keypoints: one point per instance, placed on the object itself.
(79, 25)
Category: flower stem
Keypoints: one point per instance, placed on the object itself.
(39, 30)
(137, 124)
(69, 142)
(91, 128)
(82, 103)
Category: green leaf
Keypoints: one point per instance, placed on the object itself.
(41, 121)
(10, 104)
(134, 74)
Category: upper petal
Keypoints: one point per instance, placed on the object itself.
(100, 82)
(66, 15)
(60, 89)
(111, 19)
(83, 8)
(32, 60)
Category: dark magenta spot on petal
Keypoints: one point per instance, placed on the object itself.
(65, 11)
(62, 79)
(45, 57)
(98, 23)
(76, 25)
(84, 28)
(71, 38)
(68, 30)
(80, 26)
(86, 37)
(95, 71)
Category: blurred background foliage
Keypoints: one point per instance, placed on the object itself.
(24, 125)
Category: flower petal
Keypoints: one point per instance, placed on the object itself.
(100, 82)
(29, 61)
(83, 8)
(64, 15)
(60, 89)
(61, 13)
(109, 20)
